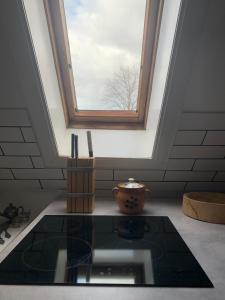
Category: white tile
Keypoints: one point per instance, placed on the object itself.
(197, 152)
(20, 149)
(209, 164)
(165, 189)
(127, 163)
(10, 134)
(205, 186)
(5, 174)
(179, 164)
(189, 137)
(15, 162)
(215, 138)
(38, 162)
(138, 175)
(28, 134)
(220, 176)
(104, 175)
(53, 184)
(38, 173)
(19, 184)
(202, 121)
(188, 176)
(104, 193)
(105, 185)
(14, 117)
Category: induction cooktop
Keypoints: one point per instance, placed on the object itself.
(103, 250)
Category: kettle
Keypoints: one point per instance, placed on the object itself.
(130, 196)
(11, 211)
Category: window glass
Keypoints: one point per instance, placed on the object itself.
(105, 38)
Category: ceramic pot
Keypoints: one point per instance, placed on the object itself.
(130, 196)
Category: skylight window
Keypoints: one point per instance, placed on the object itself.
(104, 54)
(105, 39)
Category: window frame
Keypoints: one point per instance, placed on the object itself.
(103, 119)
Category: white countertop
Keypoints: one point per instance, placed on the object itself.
(206, 241)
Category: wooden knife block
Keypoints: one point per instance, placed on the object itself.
(80, 185)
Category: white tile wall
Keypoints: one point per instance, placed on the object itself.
(28, 134)
(202, 121)
(104, 175)
(189, 137)
(197, 152)
(37, 162)
(53, 184)
(5, 174)
(220, 176)
(10, 134)
(14, 117)
(205, 186)
(196, 157)
(15, 162)
(209, 164)
(188, 176)
(38, 173)
(139, 175)
(20, 149)
(19, 184)
(215, 138)
(180, 164)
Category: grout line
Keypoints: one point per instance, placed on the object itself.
(192, 169)
(63, 174)
(185, 186)
(14, 177)
(204, 137)
(1, 150)
(22, 134)
(214, 176)
(32, 162)
(40, 184)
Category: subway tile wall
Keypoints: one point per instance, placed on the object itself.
(196, 161)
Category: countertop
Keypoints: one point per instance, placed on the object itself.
(206, 241)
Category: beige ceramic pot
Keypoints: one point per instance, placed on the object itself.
(130, 196)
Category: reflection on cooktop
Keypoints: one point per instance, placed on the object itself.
(103, 250)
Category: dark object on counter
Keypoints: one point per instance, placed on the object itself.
(130, 196)
(4, 225)
(10, 211)
(114, 251)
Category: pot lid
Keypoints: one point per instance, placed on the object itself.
(131, 184)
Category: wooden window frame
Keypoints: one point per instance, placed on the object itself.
(103, 119)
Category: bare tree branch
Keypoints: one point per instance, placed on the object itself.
(121, 90)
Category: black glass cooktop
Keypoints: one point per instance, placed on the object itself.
(103, 250)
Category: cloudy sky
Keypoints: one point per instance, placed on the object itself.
(104, 36)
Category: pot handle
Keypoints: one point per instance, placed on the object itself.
(115, 190)
(147, 190)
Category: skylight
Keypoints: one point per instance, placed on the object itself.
(105, 38)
